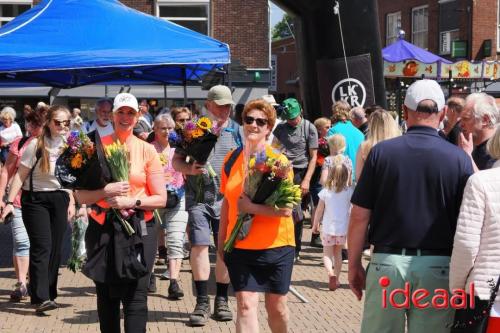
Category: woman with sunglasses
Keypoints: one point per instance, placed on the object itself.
(262, 261)
(46, 207)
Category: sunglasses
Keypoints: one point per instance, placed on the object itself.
(259, 121)
(64, 123)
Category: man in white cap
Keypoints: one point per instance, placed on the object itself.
(409, 193)
(204, 214)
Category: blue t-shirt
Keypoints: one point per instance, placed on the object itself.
(353, 138)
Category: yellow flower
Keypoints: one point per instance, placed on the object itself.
(197, 133)
(76, 161)
(272, 152)
(251, 163)
(204, 123)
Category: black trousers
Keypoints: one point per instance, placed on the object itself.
(298, 214)
(45, 215)
(133, 295)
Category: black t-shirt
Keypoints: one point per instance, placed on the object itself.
(413, 185)
(454, 134)
(481, 157)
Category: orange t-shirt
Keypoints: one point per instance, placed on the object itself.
(266, 232)
(144, 163)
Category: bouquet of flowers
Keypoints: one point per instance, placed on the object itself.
(117, 158)
(74, 160)
(77, 257)
(267, 183)
(198, 137)
(323, 151)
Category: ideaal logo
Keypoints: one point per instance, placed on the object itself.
(440, 299)
(350, 90)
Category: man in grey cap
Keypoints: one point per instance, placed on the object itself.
(204, 215)
(409, 193)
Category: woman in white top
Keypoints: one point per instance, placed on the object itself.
(9, 131)
(46, 208)
(476, 250)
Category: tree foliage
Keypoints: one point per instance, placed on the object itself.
(282, 29)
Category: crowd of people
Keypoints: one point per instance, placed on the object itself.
(420, 196)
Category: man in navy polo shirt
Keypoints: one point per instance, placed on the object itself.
(409, 193)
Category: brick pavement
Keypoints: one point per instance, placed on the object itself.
(326, 311)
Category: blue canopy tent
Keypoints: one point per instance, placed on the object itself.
(70, 43)
(401, 50)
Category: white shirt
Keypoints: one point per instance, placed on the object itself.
(102, 130)
(42, 181)
(8, 134)
(337, 210)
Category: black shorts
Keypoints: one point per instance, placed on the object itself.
(268, 271)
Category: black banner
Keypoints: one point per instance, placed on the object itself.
(334, 83)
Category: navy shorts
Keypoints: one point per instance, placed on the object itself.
(268, 271)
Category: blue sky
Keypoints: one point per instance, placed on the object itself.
(276, 14)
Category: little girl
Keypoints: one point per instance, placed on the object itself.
(333, 212)
(337, 146)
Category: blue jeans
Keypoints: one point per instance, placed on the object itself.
(20, 238)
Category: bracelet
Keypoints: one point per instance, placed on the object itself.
(9, 203)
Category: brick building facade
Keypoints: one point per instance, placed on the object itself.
(472, 24)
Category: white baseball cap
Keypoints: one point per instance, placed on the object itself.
(270, 99)
(125, 99)
(424, 89)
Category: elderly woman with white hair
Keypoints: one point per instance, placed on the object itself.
(9, 131)
(476, 253)
(174, 216)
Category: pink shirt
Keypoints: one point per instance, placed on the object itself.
(18, 153)
(176, 179)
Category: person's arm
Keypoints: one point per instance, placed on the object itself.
(306, 182)
(245, 205)
(17, 182)
(358, 225)
(360, 162)
(180, 165)
(223, 222)
(468, 146)
(7, 172)
(86, 197)
(318, 216)
(468, 233)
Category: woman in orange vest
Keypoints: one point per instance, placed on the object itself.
(263, 260)
(119, 264)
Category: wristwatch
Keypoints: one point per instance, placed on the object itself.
(138, 203)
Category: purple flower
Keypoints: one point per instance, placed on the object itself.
(190, 126)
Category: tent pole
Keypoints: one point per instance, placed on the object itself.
(165, 94)
(185, 84)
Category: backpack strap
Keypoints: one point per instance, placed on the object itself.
(232, 158)
(307, 131)
(234, 128)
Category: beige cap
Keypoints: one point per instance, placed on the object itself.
(221, 95)
(270, 99)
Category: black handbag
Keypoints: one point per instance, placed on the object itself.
(172, 199)
(475, 320)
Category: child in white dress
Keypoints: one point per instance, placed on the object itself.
(333, 212)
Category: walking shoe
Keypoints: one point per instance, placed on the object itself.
(152, 283)
(175, 292)
(19, 293)
(201, 313)
(46, 306)
(221, 310)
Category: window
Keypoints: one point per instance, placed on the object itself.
(393, 22)
(419, 28)
(445, 40)
(10, 9)
(190, 14)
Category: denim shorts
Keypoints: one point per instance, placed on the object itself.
(174, 221)
(20, 238)
(202, 221)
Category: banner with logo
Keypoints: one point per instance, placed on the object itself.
(410, 68)
(334, 84)
(462, 70)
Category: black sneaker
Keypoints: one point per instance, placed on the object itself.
(19, 293)
(46, 306)
(175, 292)
(221, 310)
(201, 313)
(152, 283)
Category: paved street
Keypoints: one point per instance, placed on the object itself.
(326, 311)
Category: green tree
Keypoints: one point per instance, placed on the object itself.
(282, 28)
